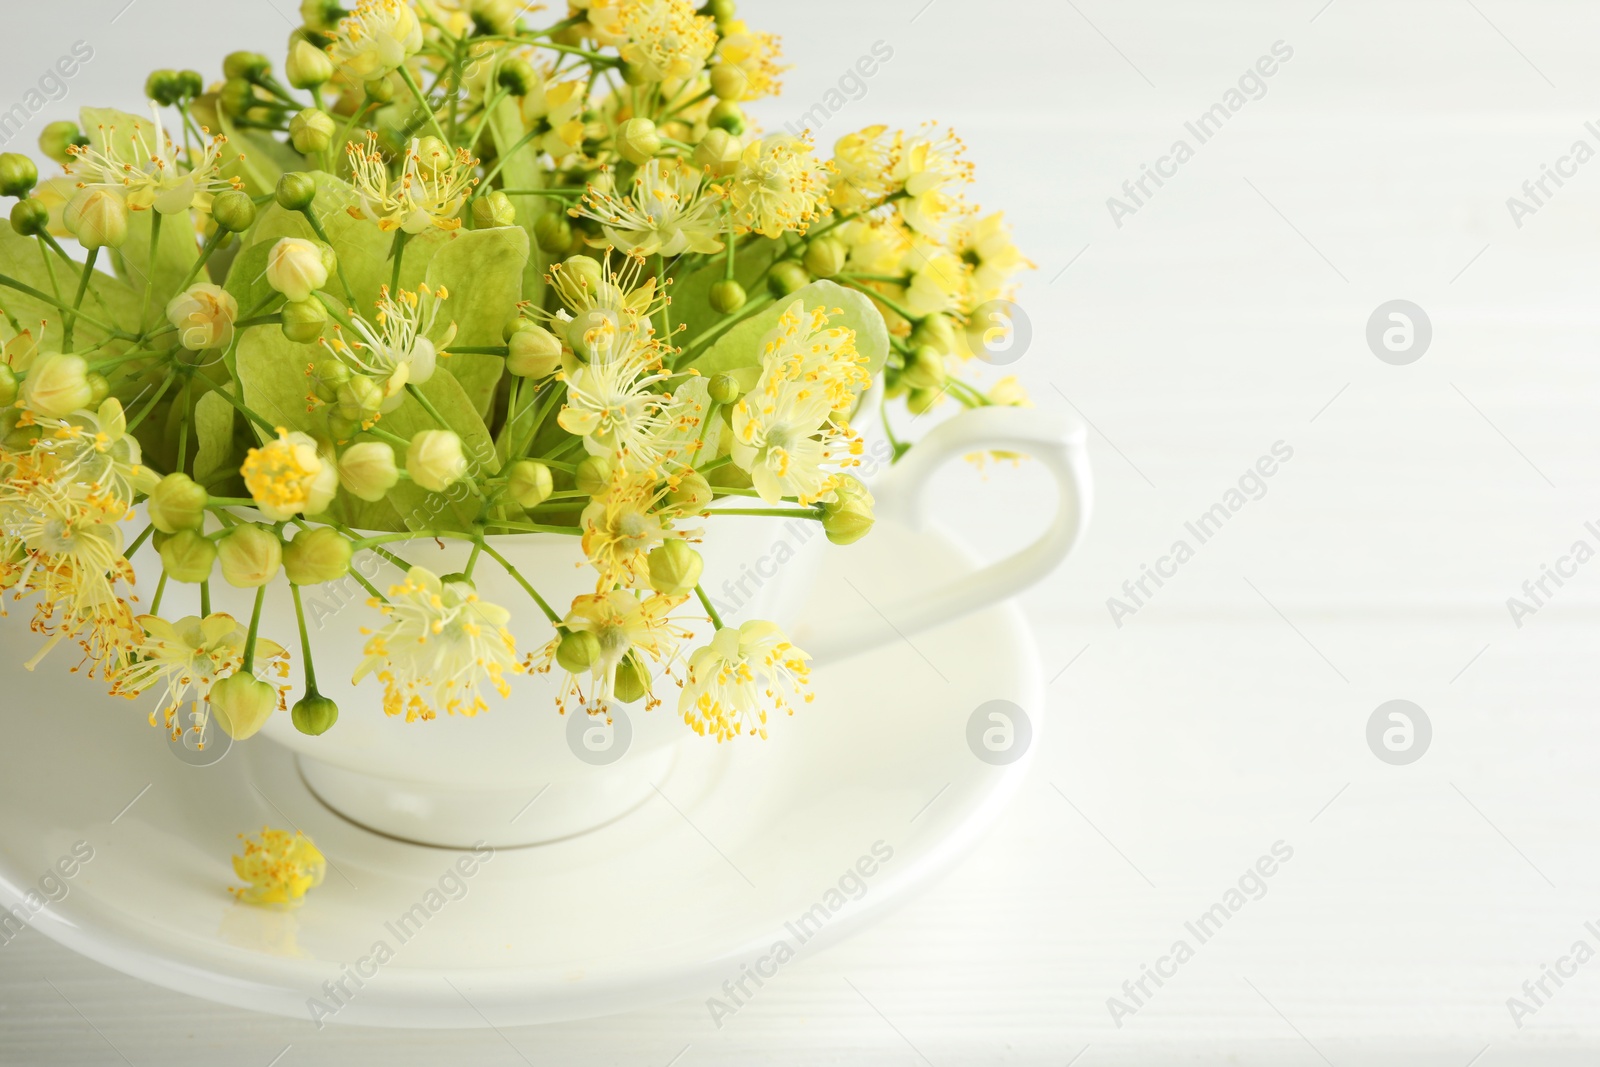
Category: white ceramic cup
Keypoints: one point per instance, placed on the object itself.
(522, 774)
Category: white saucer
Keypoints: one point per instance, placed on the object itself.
(691, 890)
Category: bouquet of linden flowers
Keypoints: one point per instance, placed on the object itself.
(454, 276)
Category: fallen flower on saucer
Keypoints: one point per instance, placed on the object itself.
(279, 866)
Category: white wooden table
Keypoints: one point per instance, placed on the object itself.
(1230, 712)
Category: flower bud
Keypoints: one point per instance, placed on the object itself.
(243, 703)
(190, 84)
(321, 14)
(203, 315)
(721, 10)
(367, 470)
(935, 331)
(786, 277)
(187, 556)
(727, 296)
(719, 152)
(250, 555)
(578, 651)
(296, 189)
(921, 401)
(314, 713)
(57, 385)
(727, 116)
(8, 386)
(311, 131)
(97, 217)
(29, 218)
(380, 90)
(237, 97)
(164, 87)
(359, 398)
(320, 554)
(848, 517)
(303, 320)
(99, 388)
(584, 271)
(177, 503)
(924, 368)
(296, 268)
(729, 81)
(434, 460)
(825, 257)
(691, 495)
(553, 233)
(632, 680)
(55, 138)
(529, 482)
(723, 388)
(517, 76)
(495, 209)
(638, 140)
(535, 352)
(250, 66)
(593, 475)
(17, 174)
(233, 210)
(674, 567)
(307, 66)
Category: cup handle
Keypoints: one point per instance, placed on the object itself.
(1060, 444)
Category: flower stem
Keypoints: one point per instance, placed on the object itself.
(205, 598)
(772, 513)
(211, 245)
(77, 301)
(705, 602)
(549, 612)
(422, 102)
(427, 405)
(161, 589)
(305, 640)
(166, 382)
(73, 315)
(248, 667)
(398, 254)
(338, 261)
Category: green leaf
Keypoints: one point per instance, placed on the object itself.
(482, 270)
(739, 350)
(523, 171)
(213, 435)
(691, 295)
(272, 372)
(23, 259)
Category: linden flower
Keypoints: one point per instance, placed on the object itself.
(622, 526)
(667, 213)
(288, 477)
(933, 174)
(91, 456)
(440, 647)
(736, 678)
(187, 657)
(755, 54)
(785, 436)
(864, 161)
(432, 186)
(779, 186)
(622, 622)
(203, 315)
(375, 39)
(561, 105)
(802, 347)
(985, 245)
(610, 402)
(147, 171)
(664, 39)
(938, 284)
(394, 349)
(280, 867)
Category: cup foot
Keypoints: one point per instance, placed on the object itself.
(450, 817)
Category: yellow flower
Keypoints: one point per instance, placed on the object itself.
(611, 402)
(664, 39)
(865, 163)
(375, 39)
(622, 526)
(930, 168)
(802, 347)
(756, 55)
(778, 187)
(147, 170)
(985, 245)
(188, 657)
(939, 283)
(393, 348)
(668, 212)
(439, 648)
(738, 677)
(622, 622)
(432, 185)
(288, 477)
(203, 315)
(280, 867)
